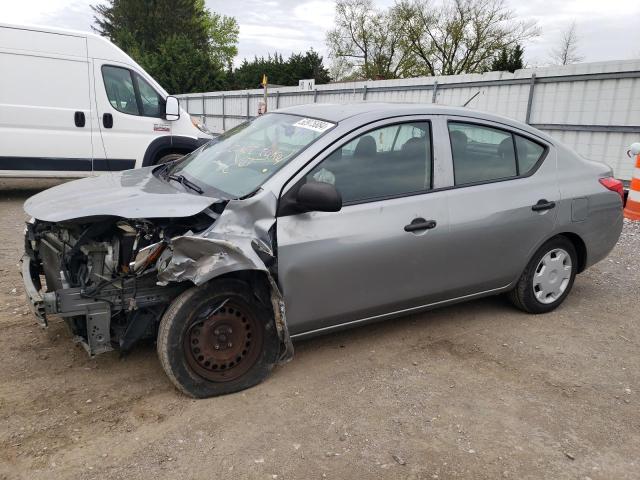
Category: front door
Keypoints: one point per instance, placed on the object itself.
(384, 251)
(130, 115)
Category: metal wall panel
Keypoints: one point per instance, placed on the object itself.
(593, 108)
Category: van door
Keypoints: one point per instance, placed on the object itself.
(130, 115)
(45, 108)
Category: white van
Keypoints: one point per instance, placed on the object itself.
(73, 104)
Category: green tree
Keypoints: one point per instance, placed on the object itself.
(421, 37)
(279, 71)
(460, 36)
(183, 45)
(367, 43)
(509, 60)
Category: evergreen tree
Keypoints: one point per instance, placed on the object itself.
(279, 71)
(508, 60)
(180, 43)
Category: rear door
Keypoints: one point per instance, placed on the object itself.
(130, 114)
(385, 250)
(45, 108)
(502, 205)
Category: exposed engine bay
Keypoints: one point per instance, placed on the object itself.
(113, 278)
(105, 273)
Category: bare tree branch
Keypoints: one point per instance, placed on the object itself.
(567, 52)
(421, 37)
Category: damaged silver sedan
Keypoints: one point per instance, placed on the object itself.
(308, 220)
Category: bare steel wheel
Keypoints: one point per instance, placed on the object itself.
(547, 278)
(218, 338)
(225, 344)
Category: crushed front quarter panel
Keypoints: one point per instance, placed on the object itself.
(230, 245)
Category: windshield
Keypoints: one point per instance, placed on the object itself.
(239, 161)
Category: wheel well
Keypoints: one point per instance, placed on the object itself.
(579, 245)
(257, 281)
(169, 151)
(169, 144)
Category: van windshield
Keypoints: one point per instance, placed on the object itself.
(240, 160)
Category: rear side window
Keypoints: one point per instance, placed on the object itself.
(129, 93)
(528, 154)
(483, 154)
(387, 162)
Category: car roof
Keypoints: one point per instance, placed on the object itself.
(374, 110)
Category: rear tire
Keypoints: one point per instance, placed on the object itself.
(207, 350)
(548, 277)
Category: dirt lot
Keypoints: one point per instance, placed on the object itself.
(473, 391)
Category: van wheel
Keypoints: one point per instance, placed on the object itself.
(548, 278)
(169, 158)
(217, 339)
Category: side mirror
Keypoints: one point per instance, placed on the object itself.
(172, 108)
(319, 197)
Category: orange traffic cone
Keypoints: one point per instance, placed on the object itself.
(632, 209)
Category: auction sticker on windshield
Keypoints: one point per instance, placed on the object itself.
(313, 124)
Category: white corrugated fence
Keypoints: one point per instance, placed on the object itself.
(592, 107)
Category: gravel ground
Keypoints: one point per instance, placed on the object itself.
(477, 390)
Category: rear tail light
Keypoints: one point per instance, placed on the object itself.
(614, 185)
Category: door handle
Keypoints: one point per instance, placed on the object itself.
(107, 120)
(543, 205)
(79, 119)
(420, 224)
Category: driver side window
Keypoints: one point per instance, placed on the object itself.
(118, 83)
(129, 93)
(387, 162)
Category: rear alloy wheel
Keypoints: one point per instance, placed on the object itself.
(217, 339)
(548, 278)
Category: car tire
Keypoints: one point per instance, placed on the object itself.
(169, 158)
(217, 338)
(548, 277)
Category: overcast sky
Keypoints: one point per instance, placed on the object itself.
(608, 30)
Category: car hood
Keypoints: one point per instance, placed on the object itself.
(129, 194)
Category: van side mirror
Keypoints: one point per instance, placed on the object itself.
(172, 108)
(319, 197)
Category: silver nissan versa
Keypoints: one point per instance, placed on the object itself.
(312, 219)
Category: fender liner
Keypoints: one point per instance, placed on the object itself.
(170, 143)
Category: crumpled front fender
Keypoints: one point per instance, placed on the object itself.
(238, 241)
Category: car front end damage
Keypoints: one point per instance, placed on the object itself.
(111, 279)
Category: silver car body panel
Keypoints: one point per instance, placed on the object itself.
(494, 231)
(359, 265)
(232, 244)
(133, 193)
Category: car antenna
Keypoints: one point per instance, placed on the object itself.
(469, 101)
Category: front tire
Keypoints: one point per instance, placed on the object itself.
(217, 339)
(548, 277)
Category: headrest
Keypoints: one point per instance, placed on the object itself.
(366, 147)
(415, 147)
(458, 139)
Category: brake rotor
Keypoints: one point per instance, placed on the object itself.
(224, 345)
